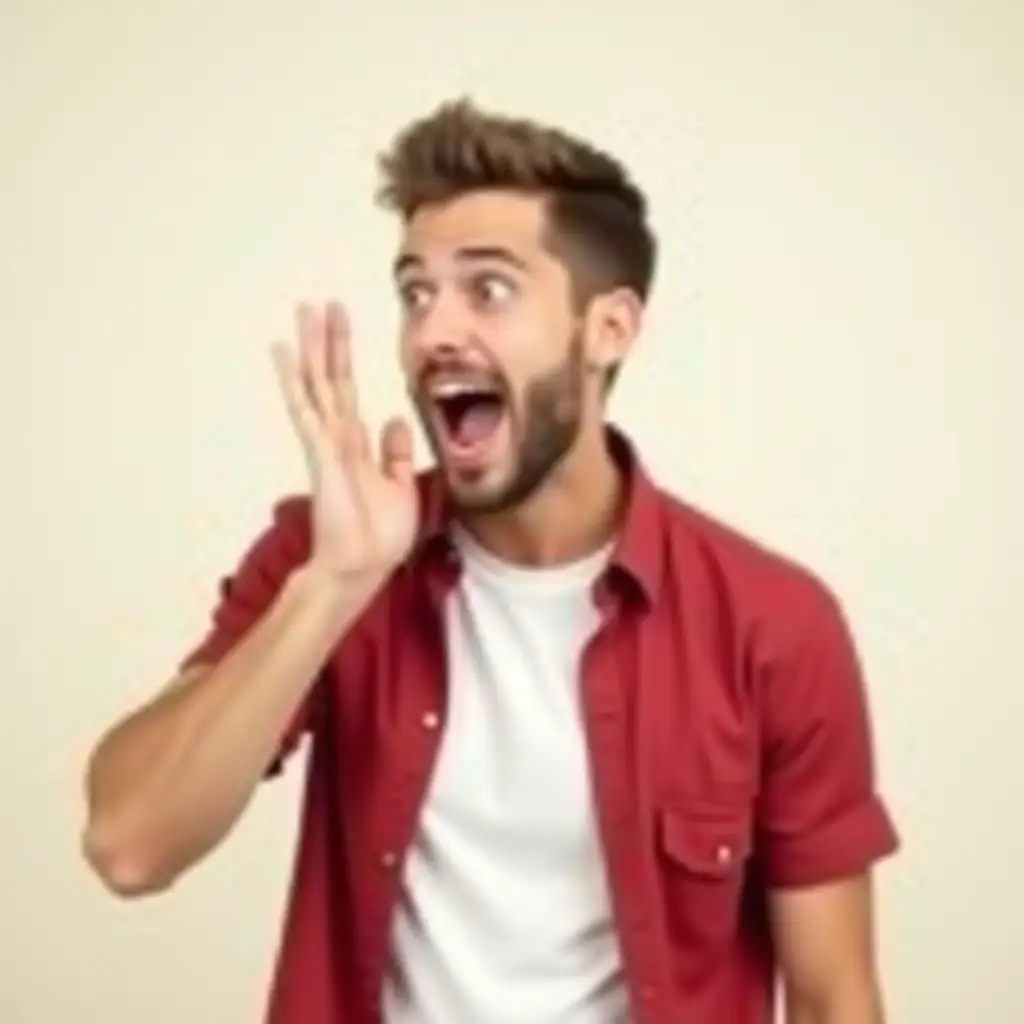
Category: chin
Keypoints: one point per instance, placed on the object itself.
(479, 491)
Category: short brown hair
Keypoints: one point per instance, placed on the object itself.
(597, 216)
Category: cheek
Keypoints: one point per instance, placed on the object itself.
(526, 342)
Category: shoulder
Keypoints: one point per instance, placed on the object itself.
(770, 593)
(287, 531)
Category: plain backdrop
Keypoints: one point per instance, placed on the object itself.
(830, 363)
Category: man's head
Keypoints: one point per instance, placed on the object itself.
(525, 264)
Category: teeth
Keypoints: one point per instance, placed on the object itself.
(452, 389)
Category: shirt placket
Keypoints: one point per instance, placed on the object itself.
(608, 675)
(414, 750)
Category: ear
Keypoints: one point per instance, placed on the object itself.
(613, 321)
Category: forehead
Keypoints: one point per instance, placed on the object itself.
(479, 220)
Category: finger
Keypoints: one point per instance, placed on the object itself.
(339, 364)
(311, 329)
(338, 331)
(301, 412)
(396, 454)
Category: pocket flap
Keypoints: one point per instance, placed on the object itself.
(709, 840)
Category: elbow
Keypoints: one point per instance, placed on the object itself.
(859, 1003)
(125, 867)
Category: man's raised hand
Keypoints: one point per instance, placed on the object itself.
(364, 499)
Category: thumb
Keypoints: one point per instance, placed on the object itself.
(396, 451)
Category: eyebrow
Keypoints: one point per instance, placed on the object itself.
(470, 253)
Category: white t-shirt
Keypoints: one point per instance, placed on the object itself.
(505, 915)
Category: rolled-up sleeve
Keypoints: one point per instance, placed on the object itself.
(821, 816)
(247, 593)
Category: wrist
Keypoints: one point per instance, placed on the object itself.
(324, 587)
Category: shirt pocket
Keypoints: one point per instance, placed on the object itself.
(704, 852)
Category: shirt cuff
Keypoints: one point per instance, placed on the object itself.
(847, 845)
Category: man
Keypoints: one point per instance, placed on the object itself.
(580, 754)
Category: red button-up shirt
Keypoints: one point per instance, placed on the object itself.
(729, 747)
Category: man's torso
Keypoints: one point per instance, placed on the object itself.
(706, 700)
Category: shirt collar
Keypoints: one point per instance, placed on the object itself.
(638, 553)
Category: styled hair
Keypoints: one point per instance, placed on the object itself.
(596, 215)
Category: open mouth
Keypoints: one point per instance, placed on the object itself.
(469, 417)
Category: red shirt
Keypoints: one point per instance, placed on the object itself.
(729, 741)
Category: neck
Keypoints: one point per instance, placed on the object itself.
(572, 515)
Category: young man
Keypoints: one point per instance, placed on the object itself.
(580, 754)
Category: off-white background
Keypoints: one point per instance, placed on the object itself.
(830, 363)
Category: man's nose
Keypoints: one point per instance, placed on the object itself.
(444, 330)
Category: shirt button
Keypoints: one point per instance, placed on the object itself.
(388, 859)
(431, 720)
(724, 855)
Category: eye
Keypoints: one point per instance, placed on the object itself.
(492, 289)
(414, 296)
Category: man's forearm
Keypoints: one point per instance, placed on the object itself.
(167, 784)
